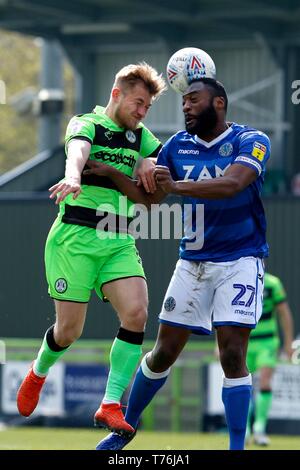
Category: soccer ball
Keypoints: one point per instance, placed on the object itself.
(189, 64)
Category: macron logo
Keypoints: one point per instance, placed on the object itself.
(188, 152)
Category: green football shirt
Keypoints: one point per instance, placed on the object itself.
(274, 294)
(112, 145)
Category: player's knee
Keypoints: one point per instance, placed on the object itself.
(232, 360)
(64, 336)
(265, 383)
(135, 318)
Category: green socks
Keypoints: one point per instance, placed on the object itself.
(46, 355)
(124, 359)
(125, 354)
(262, 406)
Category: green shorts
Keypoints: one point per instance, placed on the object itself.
(262, 353)
(77, 261)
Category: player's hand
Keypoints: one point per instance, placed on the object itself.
(164, 179)
(61, 190)
(288, 350)
(97, 168)
(145, 175)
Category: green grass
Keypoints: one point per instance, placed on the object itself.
(29, 438)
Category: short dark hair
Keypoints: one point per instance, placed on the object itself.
(216, 87)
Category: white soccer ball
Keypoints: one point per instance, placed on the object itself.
(188, 64)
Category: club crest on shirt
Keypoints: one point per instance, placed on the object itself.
(108, 135)
(170, 304)
(130, 136)
(61, 285)
(226, 149)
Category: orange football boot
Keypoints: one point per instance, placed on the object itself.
(29, 393)
(110, 416)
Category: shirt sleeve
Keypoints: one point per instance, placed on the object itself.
(150, 145)
(254, 151)
(164, 158)
(80, 128)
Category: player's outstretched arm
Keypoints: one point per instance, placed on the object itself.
(286, 320)
(78, 153)
(125, 184)
(235, 179)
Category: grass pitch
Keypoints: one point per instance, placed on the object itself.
(31, 438)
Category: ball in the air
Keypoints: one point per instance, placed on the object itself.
(188, 64)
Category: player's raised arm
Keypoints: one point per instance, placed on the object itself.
(78, 153)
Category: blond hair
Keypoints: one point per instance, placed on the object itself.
(132, 74)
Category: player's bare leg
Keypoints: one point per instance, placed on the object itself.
(70, 318)
(129, 298)
(169, 343)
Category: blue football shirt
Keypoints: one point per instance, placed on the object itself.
(220, 229)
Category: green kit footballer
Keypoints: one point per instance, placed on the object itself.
(84, 252)
(263, 351)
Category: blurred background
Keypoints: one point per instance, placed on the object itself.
(58, 59)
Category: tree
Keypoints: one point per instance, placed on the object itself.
(20, 60)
